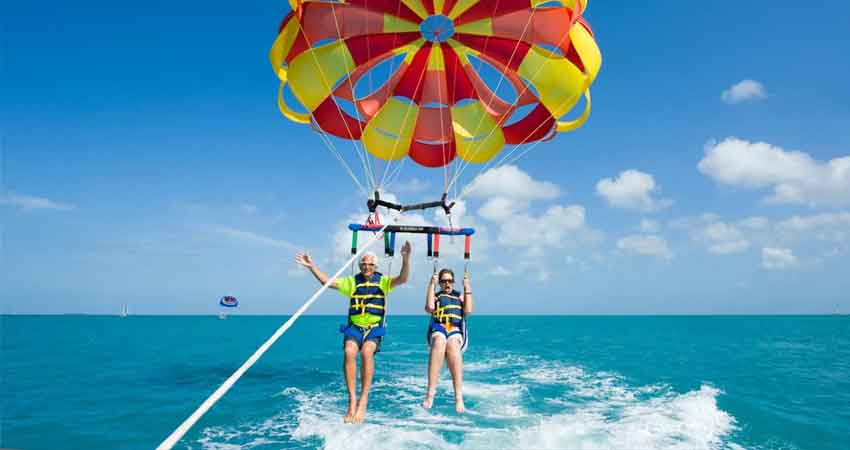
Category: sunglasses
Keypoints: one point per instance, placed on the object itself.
(447, 280)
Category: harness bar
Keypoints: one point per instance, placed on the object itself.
(416, 229)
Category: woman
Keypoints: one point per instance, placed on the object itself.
(447, 332)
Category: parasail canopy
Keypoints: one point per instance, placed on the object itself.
(463, 77)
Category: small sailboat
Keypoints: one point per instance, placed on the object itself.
(124, 311)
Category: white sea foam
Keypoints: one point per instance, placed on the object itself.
(494, 363)
(689, 421)
(593, 410)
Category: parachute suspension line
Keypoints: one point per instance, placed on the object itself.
(369, 176)
(334, 151)
(394, 176)
(361, 152)
(526, 150)
(466, 188)
(175, 436)
(477, 147)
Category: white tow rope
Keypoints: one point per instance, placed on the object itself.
(175, 436)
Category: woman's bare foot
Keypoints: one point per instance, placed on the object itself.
(429, 400)
(459, 406)
(352, 408)
(360, 413)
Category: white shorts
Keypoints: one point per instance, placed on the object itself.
(439, 335)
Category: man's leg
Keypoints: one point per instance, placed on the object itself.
(367, 369)
(349, 370)
(455, 362)
(435, 363)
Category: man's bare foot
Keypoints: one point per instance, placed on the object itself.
(459, 406)
(429, 400)
(349, 415)
(360, 413)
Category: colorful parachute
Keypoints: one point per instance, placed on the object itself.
(229, 302)
(440, 100)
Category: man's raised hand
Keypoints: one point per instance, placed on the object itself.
(303, 258)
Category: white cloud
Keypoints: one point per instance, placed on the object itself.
(745, 90)
(648, 245)
(833, 228)
(251, 237)
(411, 185)
(510, 182)
(32, 203)
(724, 248)
(632, 190)
(649, 226)
(755, 223)
(500, 209)
(794, 176)
(500, 271)
(719, 238)
(689, 223)
(721, 231)
(552, 229)
(777, 258)
(807, 223)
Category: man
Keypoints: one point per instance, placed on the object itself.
(367, 293)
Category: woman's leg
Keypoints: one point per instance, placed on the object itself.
(435, 363)
(455, 362)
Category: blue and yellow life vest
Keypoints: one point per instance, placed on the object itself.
(368, 296)
(448, 309)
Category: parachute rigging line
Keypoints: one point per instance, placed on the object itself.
(332, 148)
(494, 91)
(368, 173)
(361, 152)
(569, 125)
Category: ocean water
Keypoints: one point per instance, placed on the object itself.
(547, 382)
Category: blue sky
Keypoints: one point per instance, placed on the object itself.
(144, 162)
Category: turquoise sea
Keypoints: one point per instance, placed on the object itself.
(546, 382)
